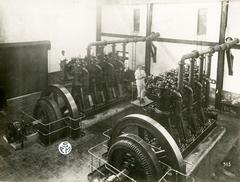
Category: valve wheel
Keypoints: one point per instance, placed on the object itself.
(133, 154)
(63, 98)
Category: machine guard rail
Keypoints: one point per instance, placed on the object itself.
(67, 125)
(96, 160)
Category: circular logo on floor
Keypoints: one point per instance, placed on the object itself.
(65, 147)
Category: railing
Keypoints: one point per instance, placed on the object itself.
(66, 125)
(97, 160)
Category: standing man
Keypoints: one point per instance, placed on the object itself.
(63, 63)
(140, 75)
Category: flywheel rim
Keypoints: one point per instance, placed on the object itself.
(66, 96)
(49, 110)
(159, 132)
(142, 152)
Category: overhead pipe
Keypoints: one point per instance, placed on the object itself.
(196, 54)
(209, 50)
(128, 40)
(224, 46)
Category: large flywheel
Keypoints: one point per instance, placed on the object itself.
(63, 98)
(130, 154)
(155, 135)
(47, 112)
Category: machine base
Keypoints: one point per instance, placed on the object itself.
(202, 152)
(30, 139)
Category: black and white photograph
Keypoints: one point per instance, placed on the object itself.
(119, 91)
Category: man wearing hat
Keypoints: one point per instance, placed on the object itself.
(140, 75)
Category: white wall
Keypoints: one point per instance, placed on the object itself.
(179, 21)
(172, 20)
(68, 24)
(119, 19)
(231, 83)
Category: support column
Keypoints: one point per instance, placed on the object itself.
(148, 43)
(221, 54)
(98, 24)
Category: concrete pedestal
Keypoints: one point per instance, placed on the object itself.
(201, 161)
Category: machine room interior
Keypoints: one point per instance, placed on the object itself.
(68, 76)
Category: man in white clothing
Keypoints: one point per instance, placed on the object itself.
(63, 64)
(140, 75)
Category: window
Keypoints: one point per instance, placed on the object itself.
(136, 20)
(202, 22)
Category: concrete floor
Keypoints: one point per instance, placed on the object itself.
(214, 168)
(39, 163)
(228, 149)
